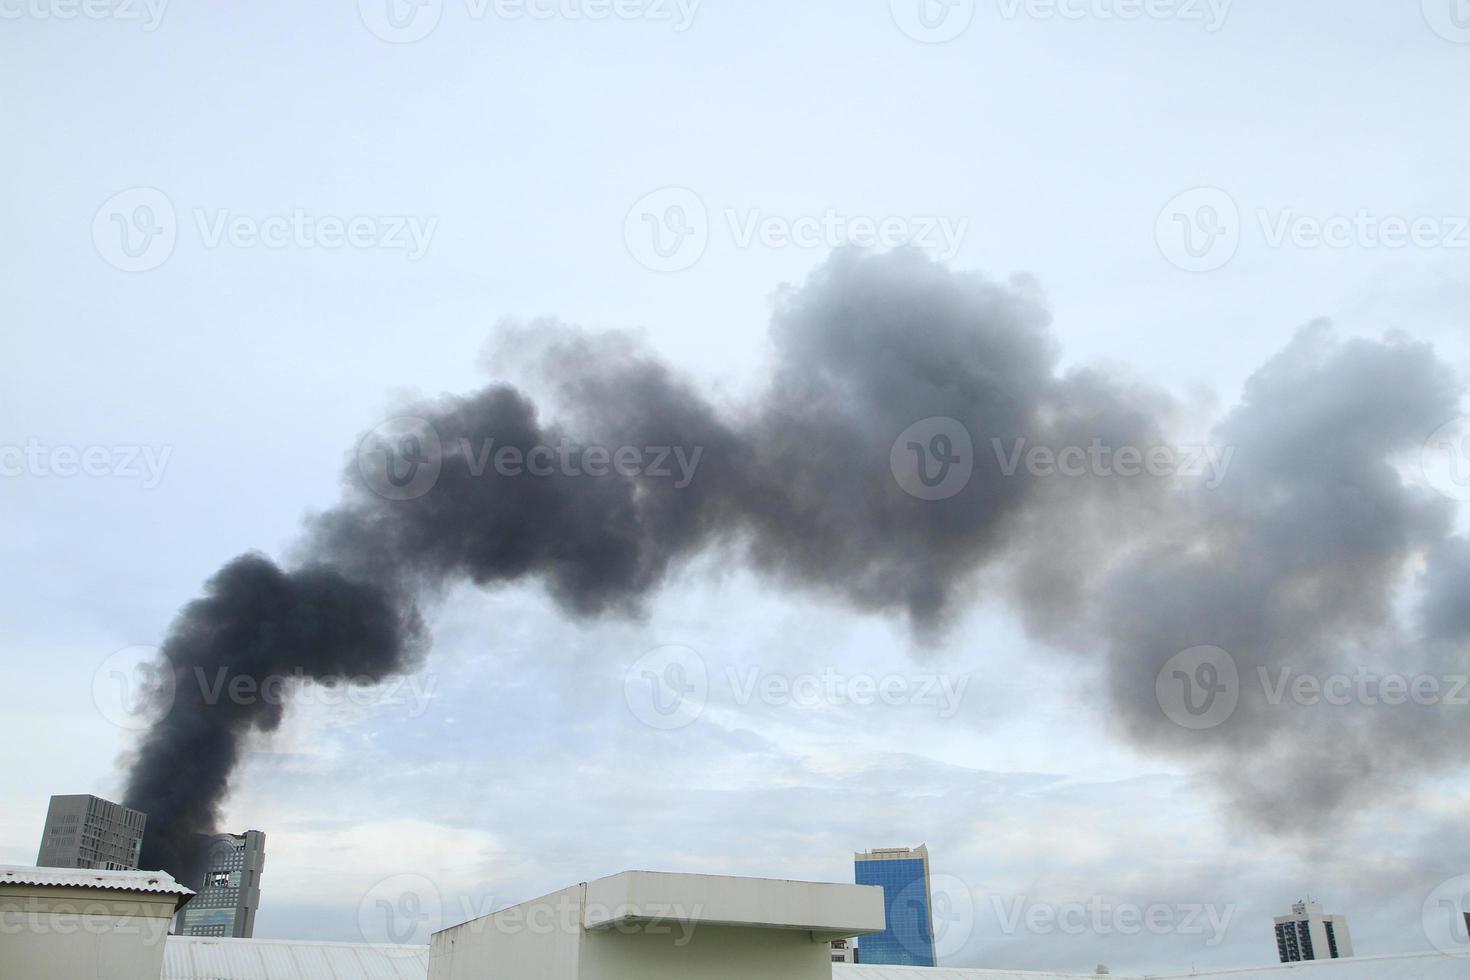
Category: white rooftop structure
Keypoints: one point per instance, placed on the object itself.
(247, 959)
(155, 882)
(85, 923)
(193, 958)
(112, 925)
(1404, 966)
(643, 925)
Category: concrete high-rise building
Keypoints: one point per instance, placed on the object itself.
(903, 874)
(89, 832)
(844, 951)
(1307, 934)
(229, 894)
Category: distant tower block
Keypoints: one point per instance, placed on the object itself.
(903, 874)
(89, 832)
(229, 895)
(1307, 934)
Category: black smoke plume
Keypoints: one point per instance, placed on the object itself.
(1299, 553)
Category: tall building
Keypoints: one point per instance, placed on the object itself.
(229, 894)
(844, 951)
(903, 873)
(89, 832)
(1307, 934)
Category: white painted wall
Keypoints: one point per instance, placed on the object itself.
(534, 939)
(649, 926)
(82, 933)
(713, 953)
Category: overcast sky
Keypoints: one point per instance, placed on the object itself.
(186, 292)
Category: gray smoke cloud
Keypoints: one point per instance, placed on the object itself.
(1298, 563)
(1298, 555)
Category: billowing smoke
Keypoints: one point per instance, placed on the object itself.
(1296, 553)
(254, 622)
(1296, 567)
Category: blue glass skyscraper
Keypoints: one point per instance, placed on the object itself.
(903, 874)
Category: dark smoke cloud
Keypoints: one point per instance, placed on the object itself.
(254, 621)
(1298, 554)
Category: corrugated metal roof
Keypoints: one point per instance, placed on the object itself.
(191, 958)
(1407, 966)
(127, 881)
(848, 971)
(195, 958)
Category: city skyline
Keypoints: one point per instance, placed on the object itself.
(489, 446)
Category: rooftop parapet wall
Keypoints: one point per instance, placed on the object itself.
(648, 926)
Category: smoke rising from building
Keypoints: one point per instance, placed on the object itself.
(1298, 556)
